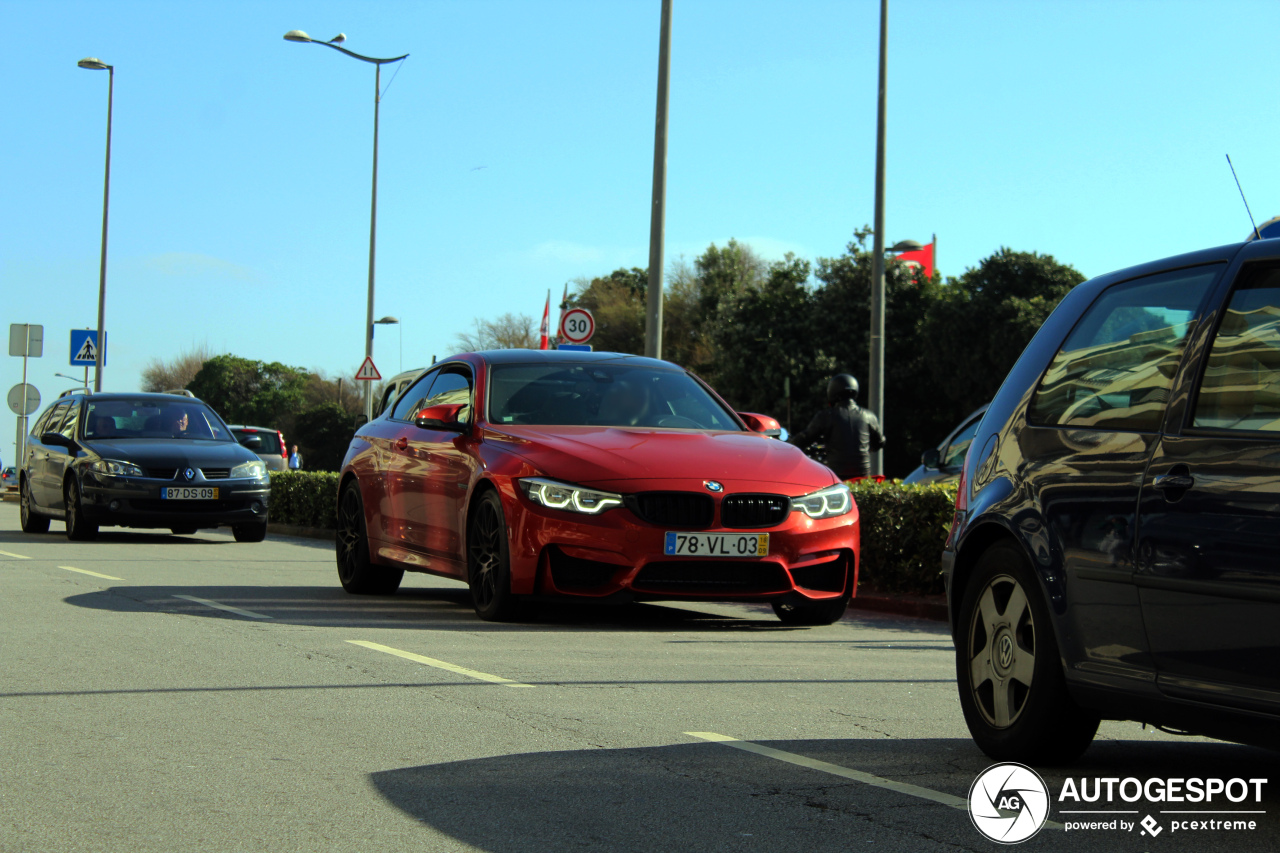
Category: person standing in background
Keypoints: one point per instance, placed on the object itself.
(295, 459)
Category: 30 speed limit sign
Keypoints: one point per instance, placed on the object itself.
(577, 326)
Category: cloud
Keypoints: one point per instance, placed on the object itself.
(194, 264)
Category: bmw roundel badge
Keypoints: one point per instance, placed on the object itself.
(713, 486)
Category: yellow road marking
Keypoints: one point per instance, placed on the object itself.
(227, 607)
(94, 574)
(836, 770)
(15, 556)
(439, 664)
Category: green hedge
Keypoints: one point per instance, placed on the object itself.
(903, 531)
(903, 527)
(304, 498)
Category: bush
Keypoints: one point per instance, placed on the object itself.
(903, 531)
(304, 498)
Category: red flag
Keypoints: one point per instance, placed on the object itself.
(546, 323)
(922, 257)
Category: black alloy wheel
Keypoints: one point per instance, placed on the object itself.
(356, 572)
(1012, 688)
(489, 561)
(32, 521)
(79, 528)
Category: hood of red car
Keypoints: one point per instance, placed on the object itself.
(606, 457)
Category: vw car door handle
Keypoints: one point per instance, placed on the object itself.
(1174, 481)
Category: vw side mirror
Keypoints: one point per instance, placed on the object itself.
(762, 424)
(931, 458)
(56, 439)
(441, 417)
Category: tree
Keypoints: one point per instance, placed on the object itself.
(510, 331)
(250, 392)
(323, 434)
(617, 302)
(160, 375)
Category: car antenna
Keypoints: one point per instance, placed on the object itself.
(1256, 234)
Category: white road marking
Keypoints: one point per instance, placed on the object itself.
(845, 772)
(227, 607)
(93, 574)
(15, 556)
(439, 664)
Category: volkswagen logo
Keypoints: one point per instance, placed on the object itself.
(190, 473)
(713, 486)
(1006, 651)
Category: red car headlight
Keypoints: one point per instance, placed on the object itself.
(556, 495)
(825, 503)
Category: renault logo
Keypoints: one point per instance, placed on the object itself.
(190, 473)
(713, 486)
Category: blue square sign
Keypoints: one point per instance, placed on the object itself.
(84, 343)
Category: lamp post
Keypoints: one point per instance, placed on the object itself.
(95, 64)
(394, 321)
(875, 381)
(72, 378)
(657, 208)
(300, 36)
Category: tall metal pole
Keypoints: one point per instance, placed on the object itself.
(102, 270)
(875, 382)
(653, 318)
(373, 240)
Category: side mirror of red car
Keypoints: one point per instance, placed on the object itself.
(762, 424)
(441, 417)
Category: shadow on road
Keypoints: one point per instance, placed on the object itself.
(116, 535)
(711, 797)
(437, 608)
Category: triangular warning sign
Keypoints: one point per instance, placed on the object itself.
(87, 352)
(367, 371)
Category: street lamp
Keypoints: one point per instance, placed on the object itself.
(394, 321)
(875, 381)
(905, 246)
(300, 36)
(72, 378)
(95, 64)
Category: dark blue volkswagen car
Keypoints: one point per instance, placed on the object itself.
(1115, 551)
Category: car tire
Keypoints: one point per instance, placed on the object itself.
(798, 611)
(356, 572)
(489, 561)
(31, 521)
(79, 528)
(1012, 687)
(250, 531)
(182, 531)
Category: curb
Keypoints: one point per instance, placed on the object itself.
(933, 607)
(302, 532)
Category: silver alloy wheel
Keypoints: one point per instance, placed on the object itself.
(1002, 651)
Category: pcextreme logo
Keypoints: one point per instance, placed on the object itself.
(1009, 803)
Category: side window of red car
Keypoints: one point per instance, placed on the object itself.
(415, 398)
(452, 386)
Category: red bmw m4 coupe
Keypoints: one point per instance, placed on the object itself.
(531, 474)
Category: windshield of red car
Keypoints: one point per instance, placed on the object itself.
(602, 395)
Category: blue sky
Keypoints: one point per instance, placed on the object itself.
(240, 171)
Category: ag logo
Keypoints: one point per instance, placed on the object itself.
(1008, 803)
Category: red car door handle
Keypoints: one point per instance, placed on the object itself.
(402, 443)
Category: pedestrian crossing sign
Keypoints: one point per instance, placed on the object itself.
(84, 348)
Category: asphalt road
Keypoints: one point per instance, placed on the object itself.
(135, 715)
